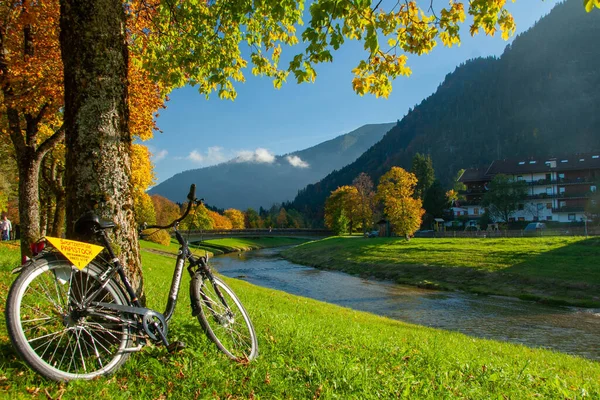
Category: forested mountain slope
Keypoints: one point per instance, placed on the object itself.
(541, 97)
(242, 184)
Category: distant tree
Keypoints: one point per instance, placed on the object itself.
(219, 221)
(366, 198)
(503, 197)
(341, 209)
(236, 217)
(165, 210)
(422, 167)
(198, 219)
(435, 200)
(396, 191)
(252, 219)
(281, 218)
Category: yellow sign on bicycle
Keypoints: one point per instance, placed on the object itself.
(79, 253)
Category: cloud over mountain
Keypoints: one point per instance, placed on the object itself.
(297, 162)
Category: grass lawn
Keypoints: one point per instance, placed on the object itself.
(310, 350)
(553, 269)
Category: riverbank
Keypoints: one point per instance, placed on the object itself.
(223, 246)
(310, 349)
(551, 270)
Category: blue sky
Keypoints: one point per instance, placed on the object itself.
(263, 121)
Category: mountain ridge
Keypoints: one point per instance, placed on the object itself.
(242, 184)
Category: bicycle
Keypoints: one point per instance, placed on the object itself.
(68, 323)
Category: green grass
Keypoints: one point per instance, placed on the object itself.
(310, 349)
(551, 269)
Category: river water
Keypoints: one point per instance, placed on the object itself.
(567, 329)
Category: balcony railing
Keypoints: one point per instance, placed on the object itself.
(561, 181)
(568, 209)
(560, 196)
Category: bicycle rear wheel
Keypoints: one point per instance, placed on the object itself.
(224, 318)
(51, 329)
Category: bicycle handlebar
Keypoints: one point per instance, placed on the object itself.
(191, 200)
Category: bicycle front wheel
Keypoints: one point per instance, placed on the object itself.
(224, 318)
(54, 331)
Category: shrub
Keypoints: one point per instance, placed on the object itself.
(159, 236)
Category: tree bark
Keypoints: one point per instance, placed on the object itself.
(98, 142)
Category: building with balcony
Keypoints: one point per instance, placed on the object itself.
(559, 188)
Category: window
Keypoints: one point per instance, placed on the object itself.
(571, 217)
(561, 176)
(532, 162)
(548, 177)
(593, 188)
(521, 162)
(519, 178)
(549, 191)
(561, 190)
(595, 156)
(540, 206)
(582, 159)
(562, 204)
(564, 161)
(549, 218)
(521, 218)
(549, 206)
(521, 207)
(511, 219)
(476, 211)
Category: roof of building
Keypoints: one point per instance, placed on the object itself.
(473, 175)
(571, 162)
(528, 165)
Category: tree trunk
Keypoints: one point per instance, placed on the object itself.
(98, 142)
(29, 205)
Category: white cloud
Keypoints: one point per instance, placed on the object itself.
(195, 156)
(259, 155)
(215, 155)
(297, 162)
(159, 155)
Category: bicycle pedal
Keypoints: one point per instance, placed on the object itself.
(175, 346)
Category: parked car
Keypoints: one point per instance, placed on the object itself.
(373, 234)
(535, 226)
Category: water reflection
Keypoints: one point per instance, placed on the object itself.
(567, 329)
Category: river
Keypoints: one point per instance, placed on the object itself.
(567, 329)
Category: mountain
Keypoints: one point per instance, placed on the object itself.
(254, 181)
(541, 97)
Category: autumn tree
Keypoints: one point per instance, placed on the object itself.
(199, 42)
(236, 217)
(341, 209)
(366, 199)
(219, 221)
(422, 167)
(396, 190)
(165, 210)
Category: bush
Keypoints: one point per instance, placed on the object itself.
(159, 236)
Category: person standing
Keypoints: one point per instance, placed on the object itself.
(6, 227)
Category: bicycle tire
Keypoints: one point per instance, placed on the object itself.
(226, 324)
(54, 337)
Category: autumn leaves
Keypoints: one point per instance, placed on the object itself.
(351, 207)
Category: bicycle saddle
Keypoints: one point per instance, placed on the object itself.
(90, 222)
